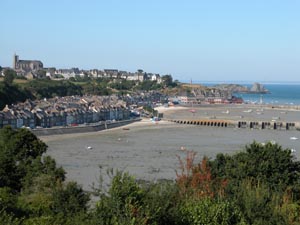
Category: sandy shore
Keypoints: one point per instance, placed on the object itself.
(142, 123)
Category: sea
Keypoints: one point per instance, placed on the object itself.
(279, 93)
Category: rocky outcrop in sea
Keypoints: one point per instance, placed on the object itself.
(256, 88)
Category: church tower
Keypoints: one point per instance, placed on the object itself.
(15, 61)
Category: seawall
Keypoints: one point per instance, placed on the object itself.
(81, 129)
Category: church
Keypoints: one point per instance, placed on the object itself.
(26, 65)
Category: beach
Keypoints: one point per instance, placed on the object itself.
(149, 150)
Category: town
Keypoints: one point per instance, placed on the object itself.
(31, 69)
(87, 108)
(64, 111)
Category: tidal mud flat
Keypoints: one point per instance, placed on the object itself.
(149, 150)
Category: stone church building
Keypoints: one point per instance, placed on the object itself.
(26, 65)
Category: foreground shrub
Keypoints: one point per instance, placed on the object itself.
(269, 163)
(6, 218)
(259, 204)
(210, 211)
(196, 179)
(132, 202)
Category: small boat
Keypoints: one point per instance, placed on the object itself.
(293, 150)
(293, 138)
(89, 147)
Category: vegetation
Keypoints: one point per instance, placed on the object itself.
(10, 92)
(32, 187)
(44, 88)
(259, 185)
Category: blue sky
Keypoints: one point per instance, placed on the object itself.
(215, 40)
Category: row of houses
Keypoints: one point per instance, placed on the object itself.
(65, 111)
(66, 74)
(139, 75)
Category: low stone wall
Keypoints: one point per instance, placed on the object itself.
(81, 129)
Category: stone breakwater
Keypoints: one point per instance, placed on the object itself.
(81, 129)
(242, 124)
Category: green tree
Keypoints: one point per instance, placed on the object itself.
(122, 84)
(69, 199)
(13, 93)
(9, 76)
(37, 199)
(50, 88)
(268, 163)
(21, 158)
(167, 80)
(147, 85)
(32, 185)
(123, 202)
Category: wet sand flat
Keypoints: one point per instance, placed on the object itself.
(149, 150)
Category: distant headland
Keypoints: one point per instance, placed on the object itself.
(256, 88)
